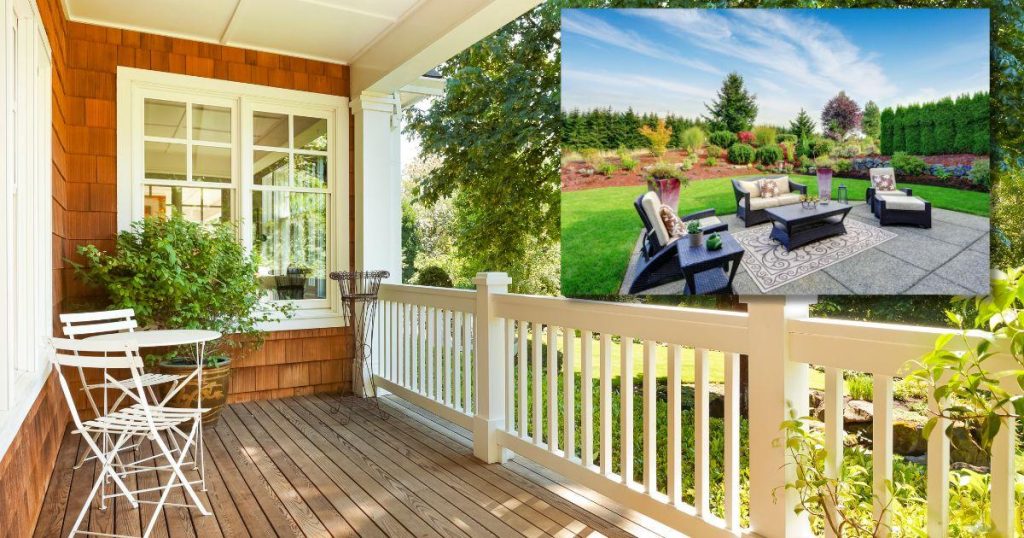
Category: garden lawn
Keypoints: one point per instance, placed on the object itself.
(600, 226)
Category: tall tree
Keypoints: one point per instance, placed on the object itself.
(871, 124)
(735, 109)
(803, 126)
(840, 116)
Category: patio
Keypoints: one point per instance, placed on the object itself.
(291, 467)
(951, 256)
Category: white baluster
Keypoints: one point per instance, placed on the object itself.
(510, 375)
(650, 419)
(569, 391)
(446, 338)
(732, 441)
(833, 403)
(587, 398)
(938, 473)
(605, 394)
(552, 388)
(626, 410)
(881, 451)
(701, 434)
(523, 381)
(674, 475)
(1004, 473)
(457, 354)
(538, 367)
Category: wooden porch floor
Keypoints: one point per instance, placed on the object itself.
(292, 468)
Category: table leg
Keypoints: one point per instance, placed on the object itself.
(201, 354)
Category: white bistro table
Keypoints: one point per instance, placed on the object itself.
(173, 338)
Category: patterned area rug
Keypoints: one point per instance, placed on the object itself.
(770, 266)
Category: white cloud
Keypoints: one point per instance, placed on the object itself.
(594, 28)
(642, 93)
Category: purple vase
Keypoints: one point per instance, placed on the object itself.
(825, 184)
(667, 190)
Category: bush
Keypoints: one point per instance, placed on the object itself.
(713, 151)
(791, 138)
(711, 161)
(433, 275)
(843, 165)
(663, 170)
(769, 154)
(908, 164)
(692, 139)
(980, 173)
(867, 163)
(740, 153)
(806, 162)
(745, 137)
(860, 387)
(591, 156)
(688, 163)
(723, 139)
(628, 163)
(606, 168)
(847, 151)
(765, 136)
(788, 150)
(657, 137)
(821, 146)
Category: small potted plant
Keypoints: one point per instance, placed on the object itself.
(177, 274)
(695, 233)
(824, 169)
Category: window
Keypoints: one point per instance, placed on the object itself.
(266, 159)
(26, 230)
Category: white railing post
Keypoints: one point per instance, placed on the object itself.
(490, 369)
(774, 381)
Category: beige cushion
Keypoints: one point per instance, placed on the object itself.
(884, 194)
(877, 173)
(782, 185)
(791, 198)
(763, 203)
(751, 187)
(709, 221)
(904, 203)
(652, 207)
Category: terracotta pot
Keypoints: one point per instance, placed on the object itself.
(216, 382)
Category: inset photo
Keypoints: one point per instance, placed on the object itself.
(775, 151)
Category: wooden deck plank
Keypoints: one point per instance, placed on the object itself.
(290, 467)
(385, 507)
(438, 469)
(446, 499)
(309, 506)
(126, 518)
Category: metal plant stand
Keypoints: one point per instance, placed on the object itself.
(359, 307)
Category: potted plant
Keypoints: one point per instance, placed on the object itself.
(695, 233)
(824, 168)
(665, 179)
(177, 274)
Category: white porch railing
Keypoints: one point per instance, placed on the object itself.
(477, 358)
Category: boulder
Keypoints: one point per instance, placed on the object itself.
(907, 439)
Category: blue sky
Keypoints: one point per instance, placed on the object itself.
(674, 60)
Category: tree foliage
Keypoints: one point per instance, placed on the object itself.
(943, 126)
(657, 137)
(604, 128)
(840, 116)
(871, 123)
(734, 108)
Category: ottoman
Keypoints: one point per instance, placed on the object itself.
(909, 210)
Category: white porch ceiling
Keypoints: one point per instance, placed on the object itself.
(337, 31)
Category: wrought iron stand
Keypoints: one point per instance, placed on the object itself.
(359, 307)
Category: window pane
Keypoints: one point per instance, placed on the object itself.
(195, 204)
(310, 133)
(165, 118)
(165, 161)
(290, 232)
(270, 168)
(270, 129)
(311, 171)
(211, 123)
(211, 164)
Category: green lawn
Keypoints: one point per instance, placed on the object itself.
(600, 226)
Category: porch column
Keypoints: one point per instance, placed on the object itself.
(490, 369)
(378, 194)
(774, 381)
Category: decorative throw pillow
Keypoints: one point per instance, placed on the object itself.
(673, 224)
(885, 182)
(768, 187)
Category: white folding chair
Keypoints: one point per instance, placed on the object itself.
(138, 421)
(85, 324)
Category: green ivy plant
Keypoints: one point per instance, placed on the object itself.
(178, 274)
(959, 371)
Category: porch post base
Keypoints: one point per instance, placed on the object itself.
(485, 441)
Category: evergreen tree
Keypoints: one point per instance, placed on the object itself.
(926, 127)
(981, 140)
(899, 141)
(885, 138)
(871, 123)
(803, 126)
(964, 118)
(945, 128)
(735, 109)
(911, 129)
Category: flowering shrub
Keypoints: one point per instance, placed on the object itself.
(867, 163)
(746, 137)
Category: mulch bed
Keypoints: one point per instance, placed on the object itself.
(574, 180)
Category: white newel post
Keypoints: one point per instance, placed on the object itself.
(490, 369)
(774, 381)
(378, 194)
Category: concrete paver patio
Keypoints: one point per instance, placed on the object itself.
(950, 258)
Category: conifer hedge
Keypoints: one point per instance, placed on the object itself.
(603, 128)
(943, 126)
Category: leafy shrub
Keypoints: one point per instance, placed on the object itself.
(692, 139)
(745, 137)
(663, 170)
(688, 163)
(940, 171)
(628, 163)
(765, 136)
(711, 161)
(788, 150)
(806, 162)
(860, 387)
(980, 173)
(843, 165)
(433, 275)
(740, 153)
(791, 138)
(591, 156)
(713, 151)
(657, 137)
(769, 154)
(823, 162)
(722, 139)
(821, 146)
(907, 164)
(624, 153)
(178, 274)
(606, 168)
(847, 151)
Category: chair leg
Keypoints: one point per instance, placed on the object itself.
(176, 466)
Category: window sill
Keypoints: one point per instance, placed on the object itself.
(305, 319)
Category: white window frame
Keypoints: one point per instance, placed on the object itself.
(134, 85)
(26, 209)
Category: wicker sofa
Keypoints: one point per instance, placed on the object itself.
(750, 205)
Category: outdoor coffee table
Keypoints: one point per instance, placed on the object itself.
(708, 271)
(795, 226)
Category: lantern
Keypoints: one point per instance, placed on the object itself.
(842, 196)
